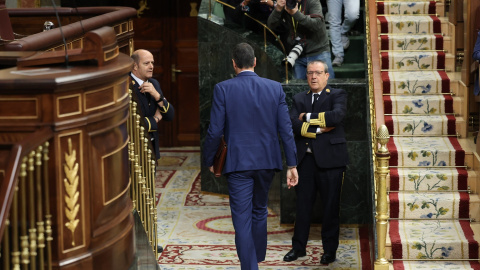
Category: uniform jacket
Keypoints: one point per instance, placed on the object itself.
(251, 112)
(148, 106)
(329, 148)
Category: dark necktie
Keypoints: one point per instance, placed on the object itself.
(315, 99)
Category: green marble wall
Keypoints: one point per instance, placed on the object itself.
(215, 42)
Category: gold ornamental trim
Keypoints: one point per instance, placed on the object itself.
(71, 182)
(110, 54)
(87, 107)
(34, 116)
(79, 101)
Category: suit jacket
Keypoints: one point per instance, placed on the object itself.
(251, 112)
(329, 148)
(148, 106)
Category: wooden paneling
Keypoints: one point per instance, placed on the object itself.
(85, 111)
(170, 34)
(187, 126)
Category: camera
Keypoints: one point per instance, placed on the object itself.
(295, 52)
(291, 4)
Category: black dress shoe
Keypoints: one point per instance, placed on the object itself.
(327, 258)
(293, 254)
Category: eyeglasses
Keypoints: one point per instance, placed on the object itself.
(318, 73)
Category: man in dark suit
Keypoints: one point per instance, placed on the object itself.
(317, 118)
(152, 102)
(250, 112)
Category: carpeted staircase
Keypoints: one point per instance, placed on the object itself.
(430, 226)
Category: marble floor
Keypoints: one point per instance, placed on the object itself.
(196, 231)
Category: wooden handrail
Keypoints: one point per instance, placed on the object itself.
(374, 58)
(45, 40)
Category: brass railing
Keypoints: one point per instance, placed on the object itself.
(27, 235)
(265, 30)
(142, 172)
(381, 172)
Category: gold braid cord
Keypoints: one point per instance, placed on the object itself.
(71, 188)
(320, 121)
(305, 132)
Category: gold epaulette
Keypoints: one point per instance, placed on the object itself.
(165, 110)
(320, 121)
(305, 132)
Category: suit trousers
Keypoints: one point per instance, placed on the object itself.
(248, 192)
(328, 181)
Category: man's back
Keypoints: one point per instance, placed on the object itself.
(255, 113)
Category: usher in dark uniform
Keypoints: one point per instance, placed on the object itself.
(322, 162)
(148, 106)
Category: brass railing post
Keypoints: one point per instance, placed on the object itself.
(383, 156)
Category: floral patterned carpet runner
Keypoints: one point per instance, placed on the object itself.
(429, 204)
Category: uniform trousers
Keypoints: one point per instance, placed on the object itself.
(328, 181)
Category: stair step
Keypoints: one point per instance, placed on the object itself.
(430, 205)
(422, 179)
(355, 53)
(411, 42)
(475, 226)
(425, 152)
(418, 104)
(401, 61)
(407, 8)
(445, 27)
(435, 239)
(350, 71)
(416, 82)
(435, 265)
(423, 125)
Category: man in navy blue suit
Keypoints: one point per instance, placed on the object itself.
(152, 103)
(317, 118)
(250, 112)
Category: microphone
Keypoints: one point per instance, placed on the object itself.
(75, 6)
(61, 33)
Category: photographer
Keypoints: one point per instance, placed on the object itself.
(306, 28)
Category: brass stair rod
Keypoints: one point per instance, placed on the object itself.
(153, 162)
(15, 234)
(31, 194)
(138, 173)
(23, 218)
(5, 250)
(142, 175)
(381, 171)
(148, 220)
(145, 200)
(40, 223)
(145, 159)
(154, 198)
(48, 216)
(152, 224)
(132, 174)
(151, 179)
